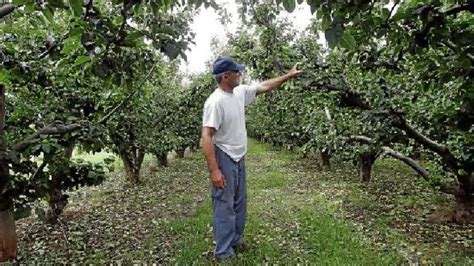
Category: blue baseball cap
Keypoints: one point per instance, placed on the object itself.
(225, 64)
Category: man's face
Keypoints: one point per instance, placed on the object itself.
(233, 78)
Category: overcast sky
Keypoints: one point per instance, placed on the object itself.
(206, 26)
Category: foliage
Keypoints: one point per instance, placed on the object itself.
(188, 116)
(398, 73)
(68, 69)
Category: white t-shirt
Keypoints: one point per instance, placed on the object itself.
(225, 112)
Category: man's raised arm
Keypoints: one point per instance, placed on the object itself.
(271, 84)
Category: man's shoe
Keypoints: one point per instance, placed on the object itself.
(226, 257)
(220, 259)
(241, 247)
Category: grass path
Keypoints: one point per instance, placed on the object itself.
(288, 221)
(296, 214)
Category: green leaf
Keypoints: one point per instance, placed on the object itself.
(171, 51)
(101, 69)
(48, 13)
(22, 2)
(133, 38)
(289, 5)
(325, 22)
(330, 36)
(183, 55)
(166, 29)
(30, 7)
(76, 6)
(76, 31)
(22, 212)
(41, 214)
(347, 40)
(14, 156)
(313, 4)
(462, 172)
(464, 62)
(46, 148)
(4, 76)
(385, 13)
(333, 33)
(81, 60)
(57, 3)
(199, 3)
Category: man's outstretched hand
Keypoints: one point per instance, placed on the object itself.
(271, 84)
(294, 72)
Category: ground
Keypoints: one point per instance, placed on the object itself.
(297, 213)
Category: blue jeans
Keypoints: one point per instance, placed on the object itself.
(229, 205)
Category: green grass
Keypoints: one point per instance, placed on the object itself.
(281, 227)
(333, 242)
(97, 157)
(272, 180)
(256, 148)
(297, 214)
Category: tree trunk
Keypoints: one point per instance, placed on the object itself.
(162, 160)
(180, 152)
(195, 147)
(198, 145)
(415, 154)
(305, 155)
(132, 163)
(324, 159)
(466, 189)
(57, 200)
(133, 175)
(8, 237)
(366, 161)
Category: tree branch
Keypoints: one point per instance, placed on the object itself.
(119, 36)
(391, 11)
(453, 189)
(453, 46)
(88, 5)
(422, 139)
(257, 18)
(6, 9)
(407, 160)
(39, 169)
(353, 99)
(362, 139)
(356, 101)
(125, 101)
(332, 87)
(442, 150)
(397, 155)
(457, 9)
(49, 130)
(52, 47)
(439, 18)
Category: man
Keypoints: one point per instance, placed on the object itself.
(224, 139)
